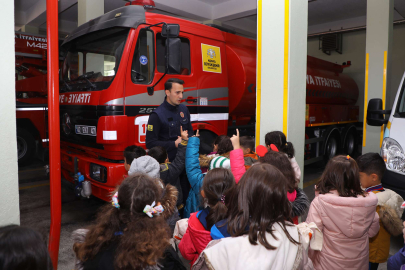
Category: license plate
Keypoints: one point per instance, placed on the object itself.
(86, 130)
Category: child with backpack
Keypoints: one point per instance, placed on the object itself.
(259, 221)
(215, 188)
(195, 175)
(346, 216)
(372, 168)
(297, 197)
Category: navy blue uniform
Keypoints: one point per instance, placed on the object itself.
(164, 127)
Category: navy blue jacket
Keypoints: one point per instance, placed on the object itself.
(397, 261)
(164, 127)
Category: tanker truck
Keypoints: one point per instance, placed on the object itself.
(112, 79)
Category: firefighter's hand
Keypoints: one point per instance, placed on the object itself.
(178, 141)
(183, 133)
(197, 134)
(235, 140)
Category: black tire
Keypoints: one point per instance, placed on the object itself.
(350, 146)
(331, 148)
(25, 146)
(207, 139)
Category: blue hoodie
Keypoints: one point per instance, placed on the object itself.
(195, 177)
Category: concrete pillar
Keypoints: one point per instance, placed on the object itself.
(281, 71)
(9, 197)
(378, 58)
(30, 29)
(89, 9)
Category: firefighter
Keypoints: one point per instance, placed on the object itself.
(164, 122)
(164, 126)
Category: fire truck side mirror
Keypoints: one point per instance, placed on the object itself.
(173, 56)
(170, 30)
(375, 113)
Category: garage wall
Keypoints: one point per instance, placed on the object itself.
(9, 198)
(354, 48)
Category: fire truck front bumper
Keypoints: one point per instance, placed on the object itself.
(103, 176)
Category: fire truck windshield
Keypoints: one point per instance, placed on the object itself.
(92, 60)
(400, 112)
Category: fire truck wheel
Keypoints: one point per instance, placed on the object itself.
(25, 146)
(350, 144)
(207, 139)
(331, 148)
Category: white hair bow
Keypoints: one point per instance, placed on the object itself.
(150, 210)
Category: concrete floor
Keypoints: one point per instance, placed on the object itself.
(79, 213)
(35, 210)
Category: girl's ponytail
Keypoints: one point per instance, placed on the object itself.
(280, 141)
(217, 213)
(217, 186)
(289, 149)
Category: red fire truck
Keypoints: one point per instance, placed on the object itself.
(31, 96)
(111, 80)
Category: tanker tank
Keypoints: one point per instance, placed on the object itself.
(241, 65)
(326, 84)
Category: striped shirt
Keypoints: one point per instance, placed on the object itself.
(220, 162)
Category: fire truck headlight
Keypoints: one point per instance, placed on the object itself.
(98, 173)
(393, 155)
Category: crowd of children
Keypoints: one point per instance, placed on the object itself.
(242, 212)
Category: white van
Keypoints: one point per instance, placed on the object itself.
(392, 149)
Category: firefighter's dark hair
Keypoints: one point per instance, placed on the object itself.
(169, 83)
(247, 142)
(159, 153)
(132, 152)
(279, 140)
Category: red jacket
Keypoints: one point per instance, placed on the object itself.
(195, 240)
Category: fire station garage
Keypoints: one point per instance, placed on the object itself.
(313, 79)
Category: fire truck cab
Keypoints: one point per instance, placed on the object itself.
(113, 77)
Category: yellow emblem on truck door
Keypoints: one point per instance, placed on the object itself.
(150, 127)
(211, 56)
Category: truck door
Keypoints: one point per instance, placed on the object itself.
(145, 67)
(190, 95)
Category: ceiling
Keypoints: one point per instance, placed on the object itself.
(325, 15)
(214, 2)
(323, 11)
(239, 15)
(23, 5)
